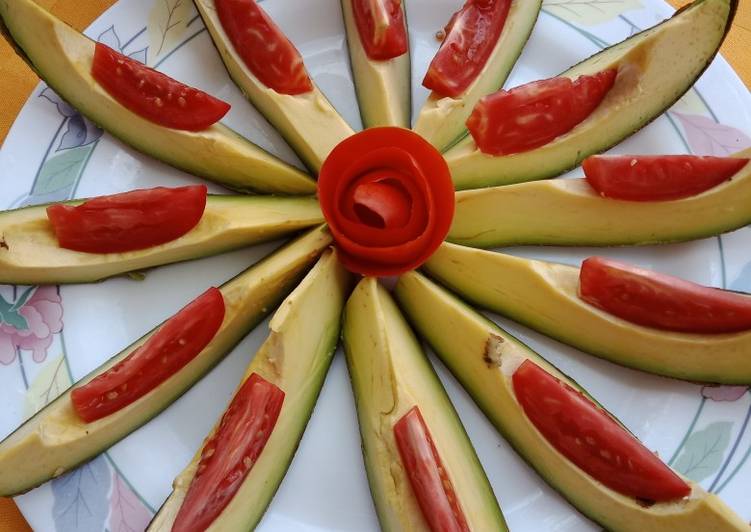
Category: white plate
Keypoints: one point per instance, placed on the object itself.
(51, 154)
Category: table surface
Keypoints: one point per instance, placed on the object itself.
(19, 81)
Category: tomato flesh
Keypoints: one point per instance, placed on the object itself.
(471, 35)
(178, 341)
(231, 452)
(531, 115)
(128, 221)
(662, 301)
(264, 49)
(380, 23)
(427, 476)
(657, 178)
(591, 439)
(152, 95)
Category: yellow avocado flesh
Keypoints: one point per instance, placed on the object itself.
(544, 296)
(383, 87)
(308, 122)
(570, 212)
(56, 440)
(442, 119)
(295, 357)
(483, 358)
(63, 58)
(31, 254)
(655, 67)
(390, 374)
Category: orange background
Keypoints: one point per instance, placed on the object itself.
(19, 81)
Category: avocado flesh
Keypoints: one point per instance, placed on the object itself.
(576, 215)
(390, 374)
(63, 57)
(543, 296)
(383, 87)
(296, 356)
(55, 440)
(442, 119)
(31, 254)
(308, 122)
(655, 68)
(483, 357)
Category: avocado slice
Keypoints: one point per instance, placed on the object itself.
(442, 119)
(575, 215)
(296, 356)
(655, 68)
(384, 88)
(62, 57)
(55, 440)
(308, 122)
(543, 296)
(483, 358)
(390, 374)
(29, 253)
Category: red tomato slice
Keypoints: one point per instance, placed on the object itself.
(264, 49)
(531, 115)
(657, 178)
(128, 221)
(591, 439)
(471, 35)
(153, 95)
(661, 301)
(178, 341)
(381, 26)
(231, 452)
(427, 476)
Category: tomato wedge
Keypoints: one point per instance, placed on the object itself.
(152, 95)
(381, 26)
(229, 455)
(128, 221)
(388, 198)
(657, 178)
(178, 341)
(531, 115)
(661, 301)
(471, 35)
(427, 476)
(591, 439)
(264, 49)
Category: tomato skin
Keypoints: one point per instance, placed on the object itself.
(471, 35)
(178, 341)
(264, 49)
(153, 95)
(426, 474)
(128, 221)
(230, 453)
(657, 178)
(662, 301)
(591, 439)
(531, 115)
(385, 38)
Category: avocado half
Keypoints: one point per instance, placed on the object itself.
(384, 88)
(483, 358)
(390, 374)
(442, 119)
(296, 356)
(543, 296)
(574, 214)
(55, 440)
(308, 122)
(655, 68)
(62, 57)
(30, 254)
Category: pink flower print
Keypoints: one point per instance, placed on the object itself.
(31, 326)
(724, 393)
